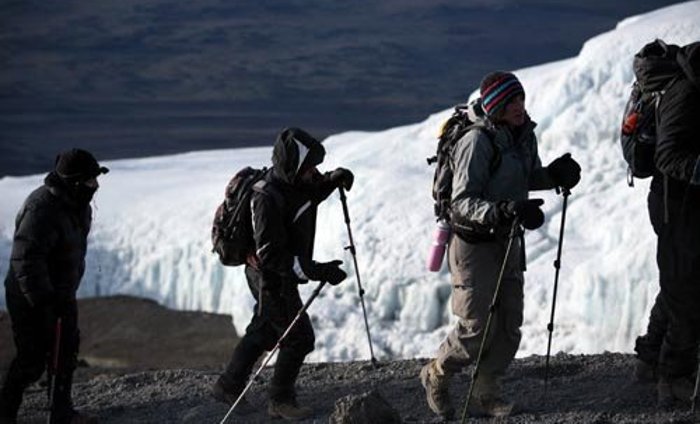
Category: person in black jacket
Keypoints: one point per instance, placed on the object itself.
(669, 349)
(655, 68)
(46, 265)
(678, 161)
(284, 205)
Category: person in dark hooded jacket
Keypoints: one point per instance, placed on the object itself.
(671, 344)
(284, 205)
(46, 265)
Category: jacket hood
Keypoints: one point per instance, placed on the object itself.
(60, 188)
(689, 61)
(655, 65)
(295, 150)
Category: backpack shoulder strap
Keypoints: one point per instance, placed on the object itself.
(268, 189)
(660, 94)
(497, 156)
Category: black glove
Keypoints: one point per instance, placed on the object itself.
(329, 272)
(565, 171)
(342, 177)
(527, 211)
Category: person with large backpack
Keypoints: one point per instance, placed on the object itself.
(655, 68)
(46, 267)
(492, 167)
(669, 75)
(283, 205)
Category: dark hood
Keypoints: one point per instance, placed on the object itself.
(655, 65)
(689, 61)
(295, 150)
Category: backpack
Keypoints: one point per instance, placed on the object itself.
(461, 121)
(638, 132)
(232, 229)
(656, 69)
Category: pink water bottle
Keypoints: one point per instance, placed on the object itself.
(437, 250)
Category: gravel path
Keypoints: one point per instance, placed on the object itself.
(583, 389)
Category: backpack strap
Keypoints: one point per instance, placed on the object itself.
(659, 94)
(497, 156)
(264, 187)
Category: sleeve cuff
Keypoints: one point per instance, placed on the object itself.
(298, 271)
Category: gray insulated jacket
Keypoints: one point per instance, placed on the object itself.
(490, 165)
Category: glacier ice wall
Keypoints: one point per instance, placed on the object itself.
(153, 215)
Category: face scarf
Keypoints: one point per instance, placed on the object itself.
(83, 194)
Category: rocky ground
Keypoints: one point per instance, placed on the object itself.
(583, 389)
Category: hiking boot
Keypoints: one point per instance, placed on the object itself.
(436, 385)
(219, 392)
(644, 372)
(671, 389)
(288, 410)
(487, 399)
(490, 406)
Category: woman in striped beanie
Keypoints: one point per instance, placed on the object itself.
(495, 165)
(503, 98)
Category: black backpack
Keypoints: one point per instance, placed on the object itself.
(656, 69)
(453, 129)
(232, 229)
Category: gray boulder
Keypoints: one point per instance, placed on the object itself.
(369, 407)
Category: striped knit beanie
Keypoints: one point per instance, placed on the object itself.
(497, 89)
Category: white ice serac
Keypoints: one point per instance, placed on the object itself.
(153, 216)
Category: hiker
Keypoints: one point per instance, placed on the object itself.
(284, 205)
(495, 165)
(669, 349)
(655, 67)
(46, 265)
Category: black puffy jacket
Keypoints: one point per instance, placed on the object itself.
(49, 244)
(678, 125)
(284, 209)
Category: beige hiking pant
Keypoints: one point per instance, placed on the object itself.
(475, 269)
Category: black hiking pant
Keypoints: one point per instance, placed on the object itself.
(276, 306)
(648, 346)
(678, 257)
(34, 336)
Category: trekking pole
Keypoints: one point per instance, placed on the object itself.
(557, 266)
(277, 346)
(53, 366)
(697, 383)
(351, 248)
(492, 309)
